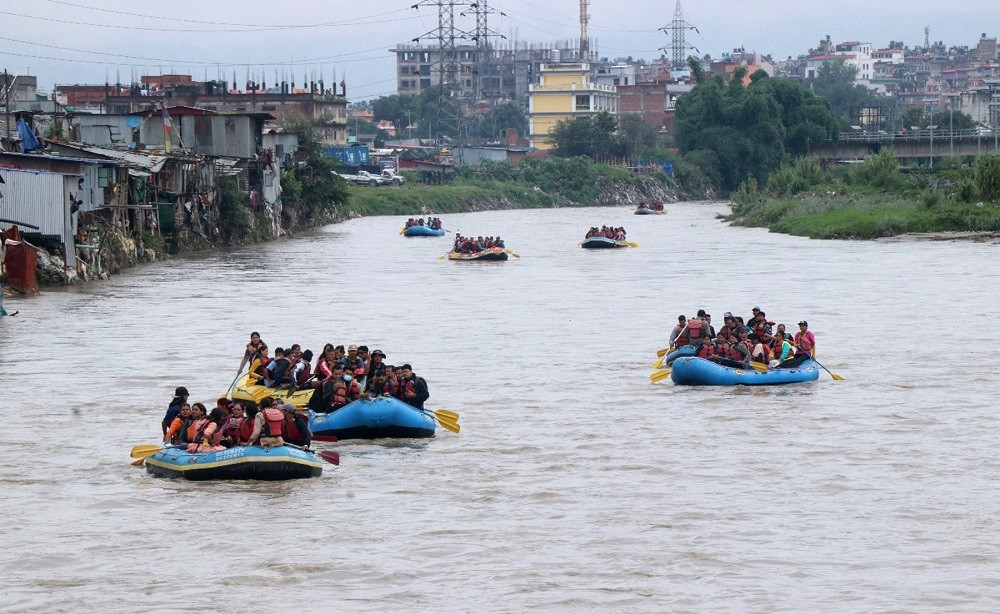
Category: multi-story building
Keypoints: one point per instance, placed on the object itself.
(987, 48)
(565, 91)
(504, 73)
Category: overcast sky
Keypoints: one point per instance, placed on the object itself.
(83, 41)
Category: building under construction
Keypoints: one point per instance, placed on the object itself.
(504, 72)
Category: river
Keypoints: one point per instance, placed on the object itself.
(575, 484)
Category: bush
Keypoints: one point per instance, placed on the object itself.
(986, 174)
(879, 171)
(930, 198)
(967, 191)
(235, 220)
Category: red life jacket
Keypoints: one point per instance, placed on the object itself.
(245, 428)
(291, 431)
(304, 376)
(273, 421)
(706, 351)
(392, 387)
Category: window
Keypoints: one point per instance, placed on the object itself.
(583, 102)
(103, 176)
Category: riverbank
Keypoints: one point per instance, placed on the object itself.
(873, 200)
(115, 248)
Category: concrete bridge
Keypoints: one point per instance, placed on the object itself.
(919, 145)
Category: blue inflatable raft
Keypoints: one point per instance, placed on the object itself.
(372, 419)
(602, 243)
(239, 463)
(423, 231)
(692, 371)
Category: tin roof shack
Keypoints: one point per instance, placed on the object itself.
(284, 144)
(52, 193)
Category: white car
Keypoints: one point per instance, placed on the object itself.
(366, 178)
(390, 177)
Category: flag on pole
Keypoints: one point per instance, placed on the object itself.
(168, 128)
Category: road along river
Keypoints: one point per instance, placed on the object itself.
(575, 484)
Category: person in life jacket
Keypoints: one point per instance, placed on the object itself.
(805, 343)
(335, 391)
(725, 354)
(295, 429)
(376, 367)
(414, 388)
(230, 431)
(697, 332)
(208, 437)
(782, 352)
(301, 371)
(352, 361)
(246, 424)
(267, 425)
(678, 335)
(252, 351)
(706, 351)
(178, 427)
(761, 327)
(198, 424)
(392, 387)
(744, 346)
(729, 327)
(174, 408)
(276, 369)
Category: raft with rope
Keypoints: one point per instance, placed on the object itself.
(602, 243)
(237, 463)
(423, 231)
(693, 371)
(492, 253)
(372, 419)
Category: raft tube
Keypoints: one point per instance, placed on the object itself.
(238, 463)
(692, 371)
(493, 253)
(684, 350)
(423, 231)
(602, 243)
(245, 391)
(372, 419)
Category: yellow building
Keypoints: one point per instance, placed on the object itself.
(565, 91)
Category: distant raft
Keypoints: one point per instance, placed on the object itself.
(244, 390)
(692, 371)
(238, 463)
(372, 419)
(491, 253)
(423, 231)
(602, 243)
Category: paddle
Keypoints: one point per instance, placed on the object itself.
(663, 352)
(330, 456)
(658, 376)
(238, 375)
(511, 253)
(447, 414)
(631, 244)
(144, 450)
(658, 363)
(835, 377)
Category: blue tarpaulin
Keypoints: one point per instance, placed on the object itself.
(28, 140)
(350, 156)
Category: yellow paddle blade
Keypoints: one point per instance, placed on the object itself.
(144, 450)
(139, 463)
(511, 253)
(658, 363)
(442, 257)
(632, 244)
(450, 425)
(659, 376)
(758, 366)
(836, 377)
(445, 413)
(663, 352)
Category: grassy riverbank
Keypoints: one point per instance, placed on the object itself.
(553, 182)
(874, 199)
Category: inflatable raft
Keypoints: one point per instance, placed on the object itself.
(602, 243)
(243, 390)
(423, 231)
(648, 211)
(372, 419)
(240, 463)
(692, 371)
(493, 253)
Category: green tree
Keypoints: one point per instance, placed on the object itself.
(956, 120)
(595, 137)
(834, 82)
(986, 175)
(397, 109)
(913, 116)
(320, 188)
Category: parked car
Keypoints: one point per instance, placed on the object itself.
(389, 176)
(366, 178)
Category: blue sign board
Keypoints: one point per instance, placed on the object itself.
(350, 156)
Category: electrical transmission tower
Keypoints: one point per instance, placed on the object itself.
(679, 47)
(449, 121)
(484, 49)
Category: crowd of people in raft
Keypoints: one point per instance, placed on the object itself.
(468, 245)
(738, 343)
(337, 379)
(609, 232)
(651, 206)
(434, 223)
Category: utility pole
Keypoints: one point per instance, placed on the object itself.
(584, 41)
(6, 105)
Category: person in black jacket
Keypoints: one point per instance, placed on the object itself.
(414, 388)
(180, 397)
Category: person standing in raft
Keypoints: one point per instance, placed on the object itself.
(253, 350)
(267, 425)
(414, 388)
(174, 409)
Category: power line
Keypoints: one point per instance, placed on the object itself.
(349, 22)
(226, 64)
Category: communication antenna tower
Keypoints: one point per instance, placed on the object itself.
(584, 42)
(679, 46)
